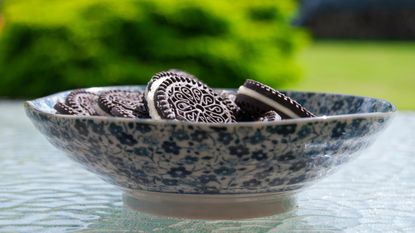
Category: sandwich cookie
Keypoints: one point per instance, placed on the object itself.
(171, 72)
(176, 97)
(269, 116)
(256, 98)
(79, 102)
(229, 98)
(240, 115)
(65, 109)
(122, 103)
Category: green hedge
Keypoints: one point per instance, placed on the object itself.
(53, 45)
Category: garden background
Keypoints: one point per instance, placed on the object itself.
(354, 47)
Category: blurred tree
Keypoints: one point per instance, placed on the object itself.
(1, 16)
(48, 46)
(1, 22)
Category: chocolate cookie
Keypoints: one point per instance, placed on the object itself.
(153, 79)
(79, 102)
(171, 72)
(173, 96)
(229, 97)
(269, 116)
(122, 103)
(257, 99)
(65, 109)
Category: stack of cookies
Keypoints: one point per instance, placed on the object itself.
(177, 95)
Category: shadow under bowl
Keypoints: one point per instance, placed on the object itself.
(215, 171)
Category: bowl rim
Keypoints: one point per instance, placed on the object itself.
(29, 105)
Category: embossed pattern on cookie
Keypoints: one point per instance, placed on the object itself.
(123, 103)
(65, 109)
(182, 98)
(82, 102)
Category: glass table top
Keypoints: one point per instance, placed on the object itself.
(41, 190)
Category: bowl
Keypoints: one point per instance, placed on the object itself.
(215, 171)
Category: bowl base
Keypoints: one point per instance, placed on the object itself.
(213, 207)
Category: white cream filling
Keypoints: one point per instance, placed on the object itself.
(255, 95)
(150, 98)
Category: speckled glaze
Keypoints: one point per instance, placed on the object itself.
(236, 158)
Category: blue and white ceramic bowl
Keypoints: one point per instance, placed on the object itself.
(200, 170)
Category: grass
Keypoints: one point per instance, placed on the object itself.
(377, 69)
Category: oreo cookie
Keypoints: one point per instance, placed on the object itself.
(240, 115)
(65, 109)
(122, 103)
(256, 98)
(173, 96)
(171, 72)
(79, 102)
(269, 116)
(229, 98)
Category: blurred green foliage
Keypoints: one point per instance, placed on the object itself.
(53, 45)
